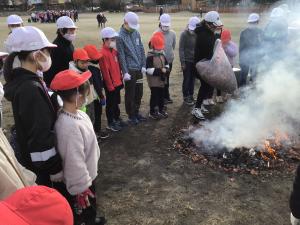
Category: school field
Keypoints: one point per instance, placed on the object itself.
(142, 181)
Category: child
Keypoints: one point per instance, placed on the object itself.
(96, 78)
(112, 78)
(157, 71)
(77, 144)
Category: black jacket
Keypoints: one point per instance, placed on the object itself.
(96, 80)
(34, 118)
(61, 56)
(295, 196)
(205, 42)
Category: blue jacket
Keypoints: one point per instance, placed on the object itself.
(131, 51)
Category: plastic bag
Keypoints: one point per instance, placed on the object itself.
(218, 72)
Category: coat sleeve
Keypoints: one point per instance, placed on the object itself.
(174, 40)
(142, 52)
(121, 55)
(105, 73)
(37, 120)
(150, 68)
(181, 47)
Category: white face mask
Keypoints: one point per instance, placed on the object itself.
(70, 37)
(113, 44)
(165, 29)
(44, 65)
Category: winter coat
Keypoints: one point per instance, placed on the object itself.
(250, 48)
(187, 46)
(97, 80)
(61, 56)
(78, 147)
(170, 43)
(12, 175)
(131, 51)
(231, 50)
(34, 117)
(110, 68)
(155, 62)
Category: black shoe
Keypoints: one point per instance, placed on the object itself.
(188, 101)
(168, 101)
(133, 121)
(141, 118)
(103, 135)
(121, 123)
(100, 220)
(163, 114)
(114, 127)
(154, 116)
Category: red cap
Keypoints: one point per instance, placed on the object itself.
(225, 36)
(35, 205)
(158, 41)
(92, 52)
(80, 54)
(69, 79)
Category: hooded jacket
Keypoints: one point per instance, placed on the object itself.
(61, 56)
(187, 46)
(170, 44)
(12, 175)
(34, 117)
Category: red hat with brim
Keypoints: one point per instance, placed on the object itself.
(69, 79)
(226, 36)
(8, 216)
(92, 52)
(158, 41)
(80, 54)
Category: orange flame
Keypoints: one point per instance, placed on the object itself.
(270, 150)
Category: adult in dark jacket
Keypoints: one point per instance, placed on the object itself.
(250, 49)
(63, 54)
(207, 33)
(295, 200)
(33, 111)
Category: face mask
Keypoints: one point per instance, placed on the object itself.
(113, 44)
(70, 37)
(45, 65)
(165, 29)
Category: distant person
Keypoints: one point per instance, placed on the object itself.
(170, 43)
(157, 71)
(99, 19)
(63, 54)
(35, 205)
(250, 49)
(133, 64)
(201, 12)
(186, 55)
(161, 11)
(112, 79)
(14, 21)
(77, 145)
(207, 33)
(34, 113)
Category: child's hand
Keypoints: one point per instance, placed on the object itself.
(83, 199)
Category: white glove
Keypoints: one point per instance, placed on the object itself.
(294, 220)
(127, 77)
(144, 70)
(57, 177)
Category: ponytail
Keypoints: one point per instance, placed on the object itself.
(8, 66)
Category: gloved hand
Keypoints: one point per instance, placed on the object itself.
(103, 101)
(57, 177)
(127, 77)
(83, 199)
(294, 220)
(144, 71)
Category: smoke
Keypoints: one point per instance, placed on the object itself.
(269, 106)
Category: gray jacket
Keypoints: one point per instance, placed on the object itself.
(170, 43)
(131, 51)
(187, 46)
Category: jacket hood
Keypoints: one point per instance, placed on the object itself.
(19, 76)
(36, 205)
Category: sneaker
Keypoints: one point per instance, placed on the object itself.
(113, 127)
(189, 101)
(163, 114)
(219, 99)
(100, 220)
(121, 123)
(154, 116)
(196, 112)
(168, 101)
(204, 109)
(141, 118)
(133, 121)
(103, 135)
(211, 101)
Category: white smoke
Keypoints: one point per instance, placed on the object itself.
(273, 104)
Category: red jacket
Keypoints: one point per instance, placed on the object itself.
(110, 68)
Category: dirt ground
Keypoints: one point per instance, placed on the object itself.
(142, 181)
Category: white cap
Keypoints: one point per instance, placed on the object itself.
(277, 13)
(27, 38)
(133, 20)
(213, 17)
(193, 21)
(3, 54)
(108, 32)
(65, 22)
(253, 18)
(165, 20)
(14, 20)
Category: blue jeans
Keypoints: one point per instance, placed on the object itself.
(189, 74)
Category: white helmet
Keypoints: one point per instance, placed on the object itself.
(14, 20)
(277, 13)
(132, 19)
(108, 32)
(253, 18)
(27, 38)
(214, 18)
(165, 20)
(65, 22)
(193, 21)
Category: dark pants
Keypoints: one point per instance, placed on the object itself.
(113, 99)
(245, 69)
(189, 74)
(156, 99)
(206, 91)
(166, 89)
(133, 94)
(98, 114)
(81, 216)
